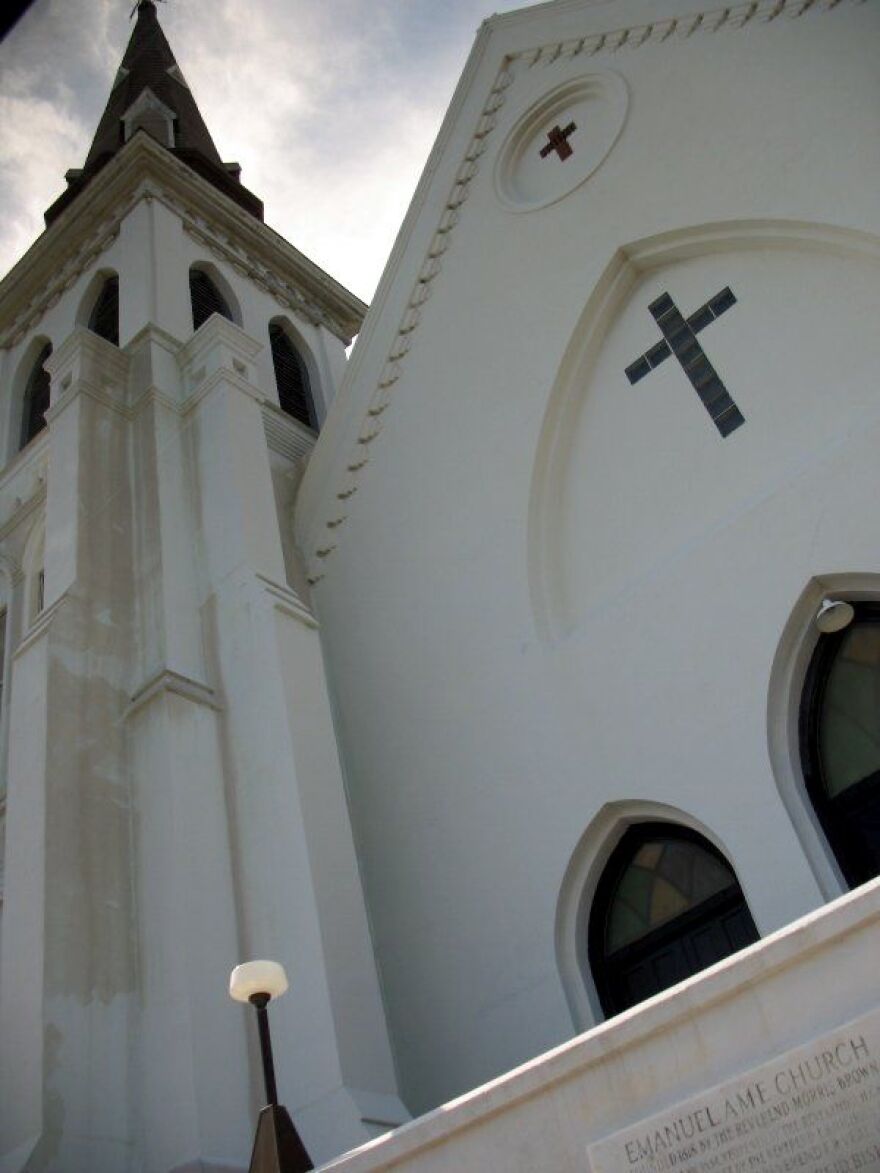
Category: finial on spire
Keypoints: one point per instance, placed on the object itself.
(139, 4)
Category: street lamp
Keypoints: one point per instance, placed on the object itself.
(277, 1145)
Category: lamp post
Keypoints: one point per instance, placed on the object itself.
(277, 1145)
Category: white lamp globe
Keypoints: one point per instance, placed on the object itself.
(257, 977)
(834, 615)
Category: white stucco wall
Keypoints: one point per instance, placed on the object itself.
(544, 591)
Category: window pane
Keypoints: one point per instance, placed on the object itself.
(664, 879)
(849, 723)
(666, 906)
(709, 876)
(666, 902)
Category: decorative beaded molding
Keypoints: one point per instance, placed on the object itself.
(733, 16)
(371, 427)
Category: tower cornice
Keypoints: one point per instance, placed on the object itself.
(150, 93)
(144, 170)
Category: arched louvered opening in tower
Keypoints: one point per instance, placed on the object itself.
(36, 398)
(104, 318)
(291, 378)
(206, 298)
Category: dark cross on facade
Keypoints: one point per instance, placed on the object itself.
(559, 142)
(679, 338)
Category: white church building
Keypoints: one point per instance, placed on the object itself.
(515, 682)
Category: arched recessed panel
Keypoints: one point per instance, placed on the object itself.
(667, 906)
(634, 463)
(291, 377)
(840, 742)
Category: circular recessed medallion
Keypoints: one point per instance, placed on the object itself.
(560, 141)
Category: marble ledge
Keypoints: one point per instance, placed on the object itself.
(165, 681)
(287, 600)
(742, 982)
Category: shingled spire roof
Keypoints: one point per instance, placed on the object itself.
(149, 93)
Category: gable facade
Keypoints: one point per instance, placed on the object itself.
(568, 621)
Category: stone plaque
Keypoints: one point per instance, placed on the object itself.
(815, 1109)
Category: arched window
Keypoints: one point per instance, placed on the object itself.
(291, 378)
(668, 905)
(206, 298)
(840, 741)
(104, 318)
(36, 398)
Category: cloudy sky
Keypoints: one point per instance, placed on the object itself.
(331, 107)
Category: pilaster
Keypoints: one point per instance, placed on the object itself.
(231, 460)
(22, 1025)
(169, 635)
(193, 1098)
(297, 882)
(69, 876)
(150, 246)
(86, 456)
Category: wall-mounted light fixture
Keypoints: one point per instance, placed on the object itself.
(834, 615)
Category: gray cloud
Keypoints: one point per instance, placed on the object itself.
(330, 106)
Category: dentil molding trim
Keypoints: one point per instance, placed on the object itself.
(657, 32)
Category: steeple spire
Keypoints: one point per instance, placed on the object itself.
(150, 93)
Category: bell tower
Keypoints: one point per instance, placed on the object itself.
(172, 797)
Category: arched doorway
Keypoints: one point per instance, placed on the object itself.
(840, 742)
(667, 906)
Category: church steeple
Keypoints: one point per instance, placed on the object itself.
(150, 93)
